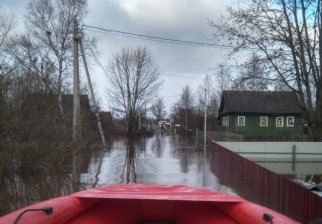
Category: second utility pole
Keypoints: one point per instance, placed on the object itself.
(205, 123)
(96, 109)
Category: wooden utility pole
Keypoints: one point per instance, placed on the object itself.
(76, 92)
(205, 123)
(100, 127)
(205, 141)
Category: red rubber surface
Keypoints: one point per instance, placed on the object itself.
(138, 203)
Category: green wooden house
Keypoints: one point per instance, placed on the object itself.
(260, 113)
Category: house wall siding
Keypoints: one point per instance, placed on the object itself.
(252, 125)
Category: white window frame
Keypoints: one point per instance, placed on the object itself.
(277, 125)
(225, 121)
(260, 121)
(290, 124)
(241, 123)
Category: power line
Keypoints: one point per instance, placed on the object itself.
(182, 76)
(160, 39)
(171, 96)
(105, 71)
(126, 36)
(144, 38)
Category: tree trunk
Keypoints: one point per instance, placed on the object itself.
(130, 123)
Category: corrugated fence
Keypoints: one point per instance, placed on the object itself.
(262, 186)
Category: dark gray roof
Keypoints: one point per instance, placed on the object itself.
(268, 102)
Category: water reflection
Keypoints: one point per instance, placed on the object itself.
(27, 186)
(155, 160)
(128, 174)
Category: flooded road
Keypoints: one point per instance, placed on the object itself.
(159, 159)
(156, 160)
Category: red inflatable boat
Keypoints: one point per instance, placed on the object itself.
(143, 204)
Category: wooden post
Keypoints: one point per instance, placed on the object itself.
(100, 127)
(293, 157)
(76, 92)
(205, 123)
(205, 141)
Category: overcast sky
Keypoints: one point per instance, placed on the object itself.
(180, 65)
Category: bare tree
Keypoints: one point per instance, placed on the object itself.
(207, 87)
(6, 25)
(158, 109)
(50, 23)
(253, 76)
(134, 81)
(288, 35)
(33, 61)
(223, 80)
(186, 103)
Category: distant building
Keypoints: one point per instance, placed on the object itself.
(165, 124)
(260, 113)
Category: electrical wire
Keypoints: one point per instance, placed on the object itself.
(105, 71)
(183, 76)
(159, 39)
(152, 38)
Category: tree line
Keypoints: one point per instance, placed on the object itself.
(36, 68)
(277, 40)
(35, 85)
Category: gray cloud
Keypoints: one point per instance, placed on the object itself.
(179, 19)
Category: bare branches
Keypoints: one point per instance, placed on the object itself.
(253, 76)
(158, 109)
(186, 103)
(6, 25)
(50, 22)
(134, 81)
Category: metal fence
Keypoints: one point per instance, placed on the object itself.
(262, 186)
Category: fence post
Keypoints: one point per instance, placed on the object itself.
(293, 157)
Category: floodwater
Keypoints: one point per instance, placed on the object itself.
(160, 159)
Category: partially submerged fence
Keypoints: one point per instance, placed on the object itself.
(265, 187)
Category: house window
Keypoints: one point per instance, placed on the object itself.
(290, 121)
(225, 121)
(241, 121)
(279, 121)
(263, 122)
